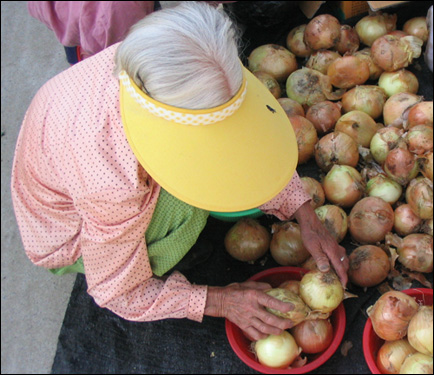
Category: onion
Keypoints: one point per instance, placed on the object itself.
(343, 186)
(291, 107)
(286, 245)
(308, 86)
(374, 70)
(269, 82)
(277, 351)
(396, 106)
(391, 315)
(336, 148)
(301, 311)
(348, 71)
(310, 264)
(370, 220)
(292, 285)
(358, 125)
(322, 32)
(417, 363)
(373, 26)
(419, 139)
(369, 266)
(425, 163)
(420, 330)
(366, 98)
(420, 114)
(414, 251)
(321, 291)
(348, 41)
(417, 26)
(295, 42)
(334, 219)
(247, 240)
(323, 115)
(274, 60)
(384, 140)
(400, 165)
(392, 354)
(406, 221)
(398, 33)
(427, 227)
(419, 195)
(391, 53)
(315, 191)
(307, 137)
(398, 81)
(313, 336)
(385, 188)
(321, 60)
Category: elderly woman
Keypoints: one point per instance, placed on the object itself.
(119, 171)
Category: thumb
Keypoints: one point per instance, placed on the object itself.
(322, 263)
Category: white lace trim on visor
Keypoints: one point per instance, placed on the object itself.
(180, 117)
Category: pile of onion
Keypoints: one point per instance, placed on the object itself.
(348, 71)
(406, 221)
(323, 115)
(321, 60)
(269, 82)
(401, 80)
(401, 165)
(370, 220)
(366, 98)
(286, 245)
(349, 41)
(306, 135)
(247, 240)
(315, 191)
(396, 107)
(295, 42)
(384, 140)
(385, 188)
(291, 107)
(419, 195)
(334, 219)
(420, 114)
(374, 70)
(419, 139)
(369, 266)
(322, 32)
(373, 26)
(417, 26)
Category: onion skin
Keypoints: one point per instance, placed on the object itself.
(334, 219)
(398, 81)
(374, 70)
(370, 220)
(336, 148)
(401, 165)
(406, 221)
(391, 315)
(348, 71)
(417, 26)
(396, 106)
(315, 190)
(343, 186)
(385, 188)
(420, 139)
(425, 163)
(323, 116)
(321, 60)
(247, 240)
(348, 41)
(417, 363)
(313, 336)
(295, 42)
(420, 114)
(269, 82)
(384, 140)
(274, 60)
(307, 137)
(373, 26)
(366, 98)
(322, 32)
(420, 331)
(419, 195)
(369, 266)
(291, 107)
(392, 354)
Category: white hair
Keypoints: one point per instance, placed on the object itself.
(186, 56)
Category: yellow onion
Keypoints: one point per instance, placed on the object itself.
(348, 41)
(419, 139)
(417, 26)
(406, 221)
(286, 245)
(323, 115)
(425, 163)
(396, 107)
(291, 285)
(420, 330)
(336, 148)
(370, 220)
(358, 125)
(384, 140)
(414, 251)
(373, 26)
(401, 80)
(306, 135)
(374, 70)
(313, 336)
(420, 114)
(392, 355)
(385, 188)
(427, 227)
(419, 195)
(322, 32)
(392, 53)
(391, 315)
(369, 266)
(401, 165)
(291, 107)
(348, 71)
(366, 98)
(301, 311)
(343, 185)
(321, 291)
(269, 82)
(417, 363)
(315, 190)
(334, 219)
(321, 60)
(295, 42)
(277, 351)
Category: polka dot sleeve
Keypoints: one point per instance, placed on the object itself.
(287, 202)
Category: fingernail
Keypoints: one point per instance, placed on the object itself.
(323, 267)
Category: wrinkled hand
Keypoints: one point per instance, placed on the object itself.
(321, 244)
(244, 305)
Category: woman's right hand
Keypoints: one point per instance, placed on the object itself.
(244, 304)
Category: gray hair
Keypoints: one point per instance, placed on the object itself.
(186, 56)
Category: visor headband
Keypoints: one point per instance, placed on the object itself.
(185, 118)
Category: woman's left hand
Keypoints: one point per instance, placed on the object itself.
(321, 244)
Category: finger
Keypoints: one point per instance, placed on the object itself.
(253, 334)
(273, 303)
(266, 328)
(322, 262)
(341, 266)
(256, 285)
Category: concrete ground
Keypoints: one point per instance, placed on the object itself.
(33, 301)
